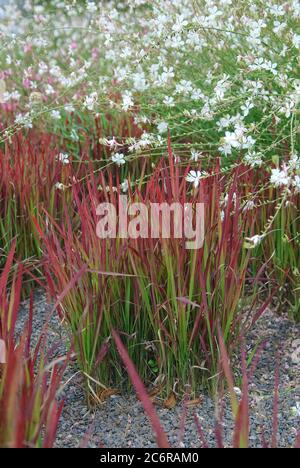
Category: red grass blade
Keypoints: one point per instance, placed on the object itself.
(228, 374)
(274, 441)
(200, 432)
(162, 440)
(241, 431)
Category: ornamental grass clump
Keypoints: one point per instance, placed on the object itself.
(238, 398)
(32, 171)
(29, 379)
(277, 242)
(164, 299)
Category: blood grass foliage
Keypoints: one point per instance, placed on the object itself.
(35, 171)
(162, 439)
(164, 300)
(29, 412)
(284, 244)
(240, 407)
(29, 171)
(240, 404)
(278, 223)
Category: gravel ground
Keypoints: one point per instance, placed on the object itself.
(121, 421)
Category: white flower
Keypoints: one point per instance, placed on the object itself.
(296, 40)
(118, 158)
(255, 240)
(253, 159)
(225, 149)
(127, 101)
(59, 186)
(277, 10)
(111, 142)
(288, 108)
(272, 67)
(279, 27)
(249, 205)
(195, 155)
(280, 178)
(194, 177)
(214, 12)
(162, 127)
(236, 140)
(64, 158)
(247, 107)
(24, 120)
(74, 135)
(296, 183)
(296, 409)
(228, 142)
(169, 101)
(175, 42)
(91, 101)
(184, 87)
(165, 77)
(221, 88)
(2, 90)
(139, 82)
(91, 6)
(197, 95)
(224, 122)
(49, 90)
(55, 114)
(141, 119)
(179, 24)
(237, 391)
(125, 186)
(69, 108)
(231, 139)
(294, 162)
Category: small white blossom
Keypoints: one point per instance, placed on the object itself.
(162, 127)
(91, 7)
(179, 24)
(194, 177)
(169, 101)
(195, 155)
(119, 159)
(24, 120)
(69, 108)
(255, 240)
(139, 82)
(247, 107)
(296, 409)
(296, 40)
(74, 135)
(59, 186)
(64, 158)
(288, 108)
(125, 186)
(127, 101)
(237, 391)
(280, 178)
(91, 101)
(253, 159)
(55, 114)
(249, 205)
(296, 183)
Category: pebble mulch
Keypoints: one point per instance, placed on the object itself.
(121, 421)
